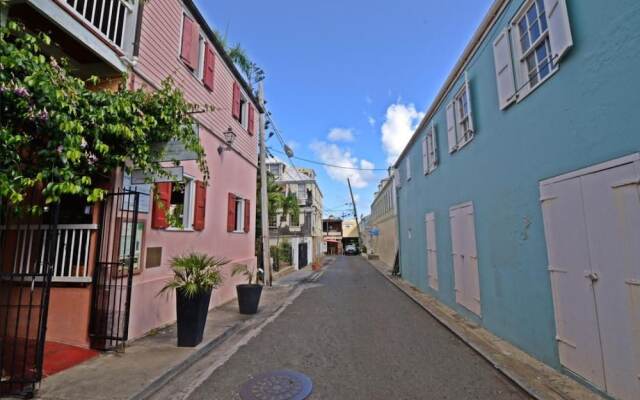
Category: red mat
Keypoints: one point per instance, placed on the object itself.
(58, 357)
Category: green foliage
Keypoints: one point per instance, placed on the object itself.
(58, 135)
(243, 269)
(195, 273)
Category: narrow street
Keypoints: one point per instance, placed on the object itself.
(357, 337)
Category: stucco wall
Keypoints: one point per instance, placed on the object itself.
(231, 172)
(385, 245)
(585, 114)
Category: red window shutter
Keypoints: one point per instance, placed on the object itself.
(209, 66)
(231, 213)
(247, 216)
(251, 124)
(235, 108)
(200, 206)
(161, 205)
(195, 45)
(187, 41)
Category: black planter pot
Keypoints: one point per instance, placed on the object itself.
(249, 298)
(192, 317)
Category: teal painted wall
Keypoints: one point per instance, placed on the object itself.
(587, 113)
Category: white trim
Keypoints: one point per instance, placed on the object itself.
(635, 157)
(54, 12)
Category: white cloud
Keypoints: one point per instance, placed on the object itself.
(331, 153)
(371, 120)
(340, 135)
(400, 122)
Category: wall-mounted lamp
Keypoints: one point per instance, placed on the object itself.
(229, 138)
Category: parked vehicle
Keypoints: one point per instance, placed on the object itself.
(351, 250)
(195, 277)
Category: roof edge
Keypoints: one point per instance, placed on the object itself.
(487, 23)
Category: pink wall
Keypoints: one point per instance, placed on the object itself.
(233, 171)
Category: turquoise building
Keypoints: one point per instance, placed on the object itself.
(518, 194)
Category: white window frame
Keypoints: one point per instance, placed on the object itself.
(431, 148)
(244, 111)
(240, 205)
(523, 86)
(408, 167)
(201, 47)
(462, 137)
(189, 205)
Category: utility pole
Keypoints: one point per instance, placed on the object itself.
(264, 200)
(355, 213)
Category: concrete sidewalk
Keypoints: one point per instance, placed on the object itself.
(536, 378)
(149, 362)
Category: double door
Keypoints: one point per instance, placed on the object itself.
(592, 229)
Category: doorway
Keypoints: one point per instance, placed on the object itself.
(302, 255)
(592, 229)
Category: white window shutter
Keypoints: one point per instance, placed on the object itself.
(425, 155)
(560, 37)
(408, 165)
(469, 106)
(451, 127)
(434, 144)
(504, 69)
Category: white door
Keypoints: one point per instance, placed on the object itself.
(465, 257)
(592, 224)
(432, 251)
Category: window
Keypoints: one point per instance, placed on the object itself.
(273, 220)
(179, 205)
(459, 119)
(430, 151)
(533, 34)
(540, 35)
(302, 192)
(126, 231)
(408, 167)
(239, 224)
(180, 212)
(238, 214)
(295, 222)
(240, 107)
(192, 46)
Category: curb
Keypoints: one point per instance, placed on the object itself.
(513, 377)
(159, 382)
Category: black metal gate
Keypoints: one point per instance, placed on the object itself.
(27, 236)
(113, 273)
(302, 255)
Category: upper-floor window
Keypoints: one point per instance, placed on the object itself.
(408, 167)
(242, 110)
(430, 151)
(533, 31)
(539, 36)
(460, 129)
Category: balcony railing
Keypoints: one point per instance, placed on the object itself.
(71, 245)
(107, 17)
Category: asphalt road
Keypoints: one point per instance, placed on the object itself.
(358, 337)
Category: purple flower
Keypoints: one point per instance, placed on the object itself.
(2, 89)
(60, 149)
(83, 144)
(43, 115)
(21, 92)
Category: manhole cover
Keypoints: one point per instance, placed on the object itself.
(277, 385)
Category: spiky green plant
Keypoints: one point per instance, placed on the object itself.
(243, 269)
(195, 273)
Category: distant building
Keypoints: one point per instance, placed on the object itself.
(382, 229)
(349, 232)
(332, 235)
(303, 234)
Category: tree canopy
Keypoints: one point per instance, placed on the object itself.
(59, 135)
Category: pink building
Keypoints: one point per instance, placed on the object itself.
(175, 41)
(92, 299)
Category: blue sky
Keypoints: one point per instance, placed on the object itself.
(347, 81)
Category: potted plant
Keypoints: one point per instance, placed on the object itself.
(248, 293)
(195, 277)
